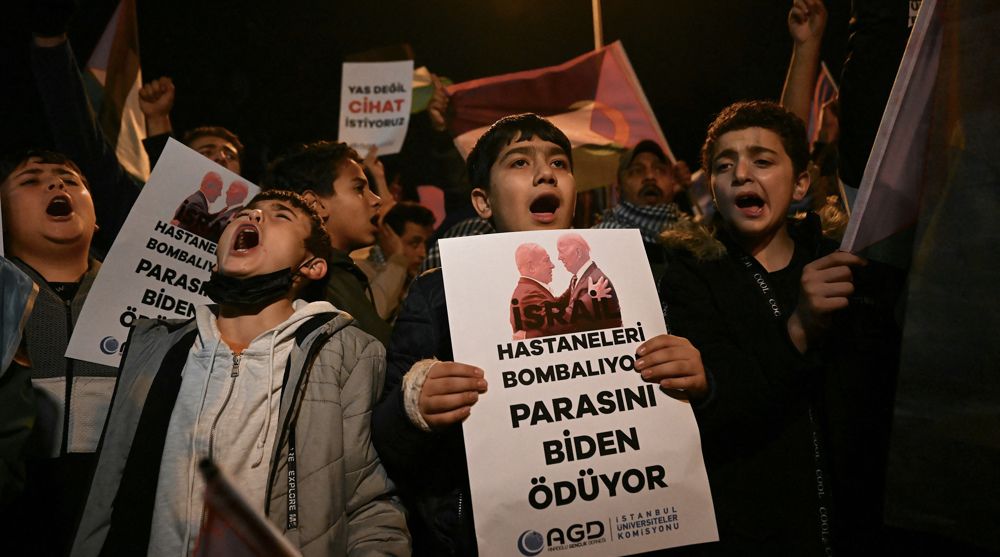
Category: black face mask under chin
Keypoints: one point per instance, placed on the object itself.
(224, 289)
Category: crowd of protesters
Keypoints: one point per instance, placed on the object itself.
(327, 352)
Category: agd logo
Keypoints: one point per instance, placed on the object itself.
(530, 543)
(578, 535)
(109, 345)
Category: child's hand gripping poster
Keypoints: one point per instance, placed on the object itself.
(163, 255)
(570, 451)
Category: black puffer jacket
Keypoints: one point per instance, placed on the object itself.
(788, 437)
(429, 468)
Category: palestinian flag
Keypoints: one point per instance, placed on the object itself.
(113, 79)
(889, 197)
(824, 91)
(595, 99)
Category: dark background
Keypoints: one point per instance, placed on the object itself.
(271, 71)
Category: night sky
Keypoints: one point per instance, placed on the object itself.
(271, 71)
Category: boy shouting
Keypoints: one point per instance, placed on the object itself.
(51, 214)
(796, 405)
(521, 170)
(271, 388)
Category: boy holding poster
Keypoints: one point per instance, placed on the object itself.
(274, 390)
(521, 170)
(769, 303)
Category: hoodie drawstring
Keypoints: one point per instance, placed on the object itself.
(193, 466)
(259, 451)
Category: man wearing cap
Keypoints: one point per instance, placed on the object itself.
(647, 182)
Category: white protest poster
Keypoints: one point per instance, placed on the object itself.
(375, 100)
(570, 450)
(164, 253)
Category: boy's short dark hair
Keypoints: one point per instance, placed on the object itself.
(10, 162)
(759, 114)
(520, 127)
(318, 242)
(309, 167)
(215, 131)
(408, 211)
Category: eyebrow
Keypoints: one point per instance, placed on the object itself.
(271, 204)
(753, 150)
(62, 171)
(278, 206)
(530, 149)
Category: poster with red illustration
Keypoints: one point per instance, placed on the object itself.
(570, 450)
(164, 255)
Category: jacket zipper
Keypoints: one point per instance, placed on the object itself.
(211, 437)
(232, 385)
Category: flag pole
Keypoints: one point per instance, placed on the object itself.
(598, 44)
(598, 26)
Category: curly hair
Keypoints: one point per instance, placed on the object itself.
(318, 242)
(759, 114)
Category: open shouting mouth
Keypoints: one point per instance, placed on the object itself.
(60, 207)
(246, 238)
(749, 203)
(544, 208)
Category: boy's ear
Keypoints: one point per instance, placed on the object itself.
(315, 270)
(481, 201)
(801, 186)
(316, 202)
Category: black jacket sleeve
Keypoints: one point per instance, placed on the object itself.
(421, 332)
(78, 135)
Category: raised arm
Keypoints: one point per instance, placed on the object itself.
(806, 22)
(156, 99)
(78, 135)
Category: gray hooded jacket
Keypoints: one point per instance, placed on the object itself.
(334, 377)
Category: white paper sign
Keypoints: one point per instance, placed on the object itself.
(164, 253)
(570, 450)
(375, 100)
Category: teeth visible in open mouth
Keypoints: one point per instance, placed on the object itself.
(247, 238)
(748, 201)
(545, 204)
(59, 207)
